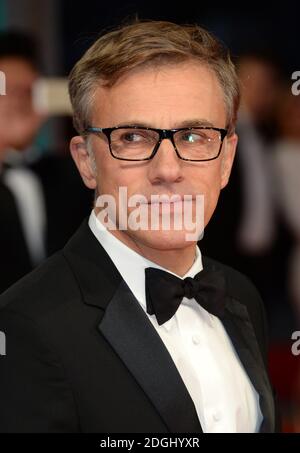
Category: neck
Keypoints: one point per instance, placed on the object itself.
(178, 261)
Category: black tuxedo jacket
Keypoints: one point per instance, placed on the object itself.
(67, 203)
(82, 356)
(15, 260)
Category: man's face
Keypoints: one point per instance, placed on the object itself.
(167, 97)
(19, 123)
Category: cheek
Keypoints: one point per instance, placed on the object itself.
(113, 174)
(209, 184)
(210, 203)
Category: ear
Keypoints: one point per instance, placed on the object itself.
(229, 150)
(83, 161)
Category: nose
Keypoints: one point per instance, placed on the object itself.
(165, 166)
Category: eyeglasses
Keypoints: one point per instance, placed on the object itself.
(135, 143)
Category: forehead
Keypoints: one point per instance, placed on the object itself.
(161, 97)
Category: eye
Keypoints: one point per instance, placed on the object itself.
(189, 137)
(132, 137)
(194, 137)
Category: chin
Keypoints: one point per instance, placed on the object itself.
(162, 240)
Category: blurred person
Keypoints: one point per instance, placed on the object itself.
(247, 208)
(286, 161)
(133, 329)
(261, 81)
(31, 183)
(19, 122)
(22, 205)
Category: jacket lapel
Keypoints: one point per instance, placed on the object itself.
(129, 332)
(133, 337)
(239, 328)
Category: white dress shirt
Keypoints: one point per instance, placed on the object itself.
(28, 194)
(256, 231)
(224, 398)
(27, 191)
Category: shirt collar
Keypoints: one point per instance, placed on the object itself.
(121, 255)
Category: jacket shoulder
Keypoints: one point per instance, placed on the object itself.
(43, 290)
(240, 288)
(238, 285)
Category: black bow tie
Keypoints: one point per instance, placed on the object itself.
(165, 291)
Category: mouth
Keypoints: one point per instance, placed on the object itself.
(169, 199)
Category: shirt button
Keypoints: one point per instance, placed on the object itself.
(217, 416)
(196, 339)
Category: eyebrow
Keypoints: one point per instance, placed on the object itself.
(197, 122)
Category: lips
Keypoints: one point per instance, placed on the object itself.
(166, 199)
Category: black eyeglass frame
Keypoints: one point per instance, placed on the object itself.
(163, 134)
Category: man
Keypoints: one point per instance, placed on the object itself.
(31, 183)
(21, 198)
(130, 329)
(251, 227)
(257, 237)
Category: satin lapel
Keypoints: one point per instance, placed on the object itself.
(128, 330)
(239, 327)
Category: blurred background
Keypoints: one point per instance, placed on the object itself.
(256, 227)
